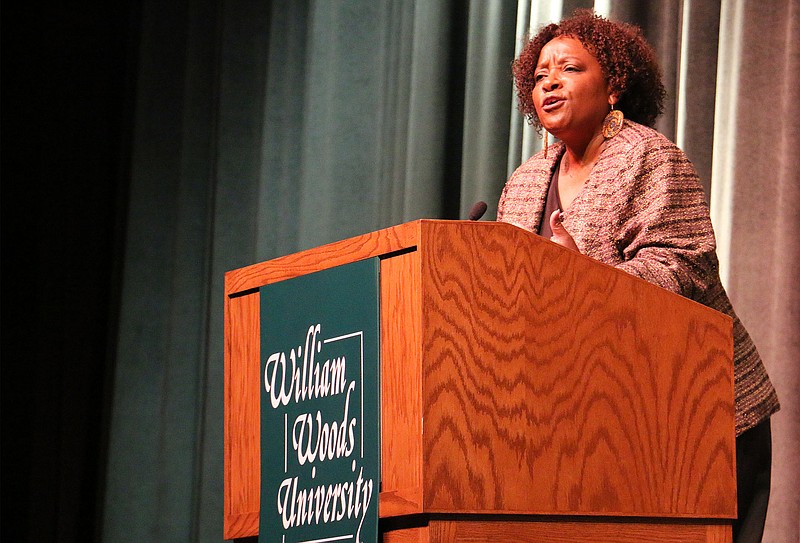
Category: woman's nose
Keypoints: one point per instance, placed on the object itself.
(550, 82)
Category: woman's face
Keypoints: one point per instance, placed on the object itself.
(571, 95)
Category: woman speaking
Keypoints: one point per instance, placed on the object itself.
(618, 191)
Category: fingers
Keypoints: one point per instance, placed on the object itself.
(560, 234)
(556, 219)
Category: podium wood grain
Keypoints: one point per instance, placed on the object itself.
(555, 384)
(561, 531)
(401, 386)
(242, 429)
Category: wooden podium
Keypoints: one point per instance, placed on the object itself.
(528, 393)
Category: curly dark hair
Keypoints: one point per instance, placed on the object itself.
(627, 60)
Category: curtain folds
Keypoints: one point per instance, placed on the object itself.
(369, 94)
(758, 200)
(487, 104)
(264, 128)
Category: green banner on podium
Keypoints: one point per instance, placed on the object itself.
(320, 407)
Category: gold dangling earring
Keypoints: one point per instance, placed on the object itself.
(612, 124)
(545, 143)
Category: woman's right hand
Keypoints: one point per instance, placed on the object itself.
(560, 234)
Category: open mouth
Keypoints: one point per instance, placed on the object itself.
(551, 102)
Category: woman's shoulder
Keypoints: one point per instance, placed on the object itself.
(641, 148)
(635, 137)
(647, 161)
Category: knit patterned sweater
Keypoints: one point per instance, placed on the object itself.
(643, 210)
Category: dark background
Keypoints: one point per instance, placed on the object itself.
(67, 89)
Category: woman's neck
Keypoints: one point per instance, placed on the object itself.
(576, 166)
(583, 154)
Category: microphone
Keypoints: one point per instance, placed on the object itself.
(477, 211)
